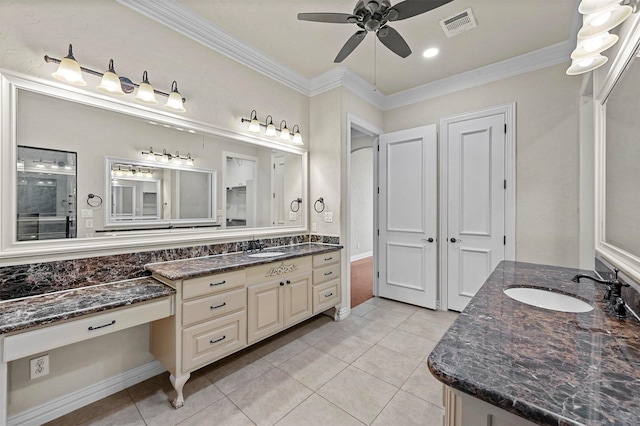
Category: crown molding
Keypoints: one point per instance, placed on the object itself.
(184, 21)
(181, 19)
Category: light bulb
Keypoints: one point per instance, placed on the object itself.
(145, 94)
(174, 102)
(69, 70)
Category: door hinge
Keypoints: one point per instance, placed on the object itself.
(504, 240)
(378, 190)
(378, 274)
(378, 147)
(274, 166)
(505, 129)
(378, 232)
(505, 184)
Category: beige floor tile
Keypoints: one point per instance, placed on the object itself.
(376, 301)
(314, 333)
(220, 413)
(424, 328)
(233, 375)
(278, 351)
(387, 365)
(403, 308)
(442, 317)
(344, 346)
(93, 410)
(362, 309)
(153, 398)
(387, 317)
(358, 393)
(368, 330)
(408, 344)
(407, 410)
(270, 397)
(313, 368)
(317, 411)
(423, 385)
(125, 415)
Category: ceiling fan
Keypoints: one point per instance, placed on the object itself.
(373, 15)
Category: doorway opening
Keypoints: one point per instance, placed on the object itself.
(361, 160)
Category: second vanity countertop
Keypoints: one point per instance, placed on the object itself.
(192, 268)
(553, 368)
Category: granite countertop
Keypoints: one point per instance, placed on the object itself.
(191, 268)
(553, 368)
(20, 314)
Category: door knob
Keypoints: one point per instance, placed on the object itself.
(428, 240)
(453, 240)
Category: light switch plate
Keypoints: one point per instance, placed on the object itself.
(293, 216)
(85, 213)
(328, 217)
(88, 223)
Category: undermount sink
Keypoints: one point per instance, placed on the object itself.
(267, 254)
(548, 299)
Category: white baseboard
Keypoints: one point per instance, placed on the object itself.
(361, 256)
(68, 403)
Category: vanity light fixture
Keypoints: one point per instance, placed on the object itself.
(272, 130)
(165, 157)
(284, 132)
(110, 83)
(70, 71)
(599, 16)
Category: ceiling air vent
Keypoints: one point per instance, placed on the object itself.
(458, 23)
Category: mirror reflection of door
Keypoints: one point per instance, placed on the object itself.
(277, 181)
(240, 186)
(123, 203)
(46, 194)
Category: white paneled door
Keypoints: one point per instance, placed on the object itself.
(475, 184)
(407, 214)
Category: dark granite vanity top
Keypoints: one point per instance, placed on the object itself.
(20, 314)
(190, 268)
(553, 368)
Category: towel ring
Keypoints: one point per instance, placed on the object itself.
(92, 203)
(321, 202)
(297, 203)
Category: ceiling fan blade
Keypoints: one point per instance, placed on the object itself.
(350, 45)
(409, 8)
(394, 41)
(331, 18)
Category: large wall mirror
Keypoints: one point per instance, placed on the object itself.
(618, 161)
(138, 175)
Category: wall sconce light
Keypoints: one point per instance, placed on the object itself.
(129, 170)
(165, 157)
(271, 129)
(599, 16)
(70, 71)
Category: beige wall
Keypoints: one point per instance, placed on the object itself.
(547, 151)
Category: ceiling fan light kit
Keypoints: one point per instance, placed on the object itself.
(373, 16)
(599, 16)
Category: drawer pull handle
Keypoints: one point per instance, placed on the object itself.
(326, 259)
(102, 326)
(328, 295)
(219, 306)
(328, 273)
(212, 342)
(215, 284)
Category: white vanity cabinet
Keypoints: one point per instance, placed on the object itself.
(222, 313)
(461, 409)
(279, 296)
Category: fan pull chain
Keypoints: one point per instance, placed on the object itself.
(375, 63)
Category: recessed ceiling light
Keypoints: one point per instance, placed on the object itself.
(431, 52)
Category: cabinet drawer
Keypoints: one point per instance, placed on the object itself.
(320, 260)
(43, 339)
(212, 340)
(326, 296)
(213, 306)
(210, 284)
(325, 274)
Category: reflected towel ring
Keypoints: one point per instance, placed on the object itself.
(321, 202)
(91, 202)
(297, 202)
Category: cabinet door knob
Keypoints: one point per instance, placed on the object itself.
(281, 282)
(288, 281)
(453, 240)
(428, 240)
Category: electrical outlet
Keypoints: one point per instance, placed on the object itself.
(39, 366)
(85, 213)
(314, 227)
(88, 223)
(328, 217)
(357, 245)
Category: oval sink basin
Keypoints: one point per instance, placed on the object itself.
(548, 299)
(267, 254)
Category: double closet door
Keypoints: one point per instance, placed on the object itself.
(441, 217)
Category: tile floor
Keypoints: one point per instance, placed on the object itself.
(369, 369)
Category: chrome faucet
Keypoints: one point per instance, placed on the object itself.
(613, 295)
